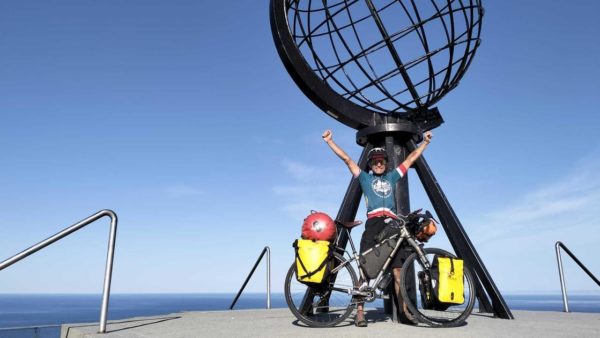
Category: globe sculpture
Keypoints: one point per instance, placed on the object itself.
(380, 67)
(360, 59)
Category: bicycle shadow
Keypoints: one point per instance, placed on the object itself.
(347, 322)
(379, 315)
(373, 315)
(376, 315)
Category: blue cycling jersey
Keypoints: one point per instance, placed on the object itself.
(379, 191)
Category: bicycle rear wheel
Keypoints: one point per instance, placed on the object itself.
(438, 315)
(326, 304)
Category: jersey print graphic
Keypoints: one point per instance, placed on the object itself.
(381, 187)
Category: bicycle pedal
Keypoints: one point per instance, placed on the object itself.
(385, 296)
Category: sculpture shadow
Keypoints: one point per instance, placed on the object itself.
(127, 324)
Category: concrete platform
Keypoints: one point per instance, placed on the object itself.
(281, 323)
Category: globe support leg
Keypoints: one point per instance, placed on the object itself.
(306, 305)
(459, 240)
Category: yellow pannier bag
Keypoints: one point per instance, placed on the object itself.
(313, 260)
(449, 288)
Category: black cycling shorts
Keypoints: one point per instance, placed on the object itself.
(372, 228)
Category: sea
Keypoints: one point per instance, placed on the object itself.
(40, 315)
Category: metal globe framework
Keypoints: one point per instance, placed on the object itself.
(390, 58)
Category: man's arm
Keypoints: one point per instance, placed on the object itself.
(414, 155)
(328, 138)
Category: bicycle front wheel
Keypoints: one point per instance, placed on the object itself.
(439, 315)
(322, 305)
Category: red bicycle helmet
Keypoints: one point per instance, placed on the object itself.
(318, 226)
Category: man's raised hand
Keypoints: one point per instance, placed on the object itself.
(327, 135)
(427, 137)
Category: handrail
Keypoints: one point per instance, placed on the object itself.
(268, 251)
(109, 257)
(563, 288)
(33, 327)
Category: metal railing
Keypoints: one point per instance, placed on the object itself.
(109, 258)
(563, 288)
(36, 331)
(266, 250)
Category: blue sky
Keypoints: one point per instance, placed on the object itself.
(179, 116)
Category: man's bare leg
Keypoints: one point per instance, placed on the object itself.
(360, 320)
(405, 315)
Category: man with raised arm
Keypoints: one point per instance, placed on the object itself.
(379, 187)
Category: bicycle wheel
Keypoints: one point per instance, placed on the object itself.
(439, 316)
(324, 305)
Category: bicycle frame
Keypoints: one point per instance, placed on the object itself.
(367, 287)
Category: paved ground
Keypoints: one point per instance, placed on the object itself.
(281, 323)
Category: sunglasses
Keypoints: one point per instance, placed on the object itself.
(378, 161)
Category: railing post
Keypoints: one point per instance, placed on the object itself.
(268, 277)
(266, 250)
(561, 275)
(559, 245)
(109, 257)
(108, 270)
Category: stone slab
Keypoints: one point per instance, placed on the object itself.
(281, 323)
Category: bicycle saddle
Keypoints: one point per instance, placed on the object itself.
(348, 224)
